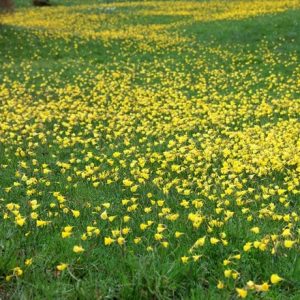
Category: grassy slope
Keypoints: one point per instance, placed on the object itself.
(128, 276)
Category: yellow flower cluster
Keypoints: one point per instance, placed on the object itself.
(197, 158)
(109, 22)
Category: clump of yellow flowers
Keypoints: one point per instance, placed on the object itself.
(194, 160)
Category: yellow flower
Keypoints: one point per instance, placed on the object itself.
(178, 234)
(227, 273)
(262, 287)
(116, 233)
(262, 246)
(28, 261)
(242, 293)
(265, 287)
(61, 199)
(226, 262)
(90, 228)
(158, 236)
(235, 275)
(247, 246)
(17, 271)
(111, 218)
(255, 230)
(76, 213)
(66, 234)
(41, 223)
(125, 230)
(196, 257)
(200, 242)
(34, 215)
(108, 241)
(256, 244)
(289, 243)
(214, 240)
(68, 228)
(78, 249)
(286, 232)
(20, 221)
(165, 244)
(134, 188)
(34, 204)
(61, 267)
(224, 242)
(160, 228)
(160, 202)
(143, 226)
(10, 206)
(97, 231)
(184, 259)
(220, 285)
(275, 278)
(126, 219)
(250, 284)
(127, 182)
(137, 240)
(121, 241)
(104, 215)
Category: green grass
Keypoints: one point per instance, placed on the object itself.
(43, 67)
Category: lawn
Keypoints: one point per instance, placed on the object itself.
(150, 150)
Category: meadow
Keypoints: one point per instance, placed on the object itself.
(150, 150)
